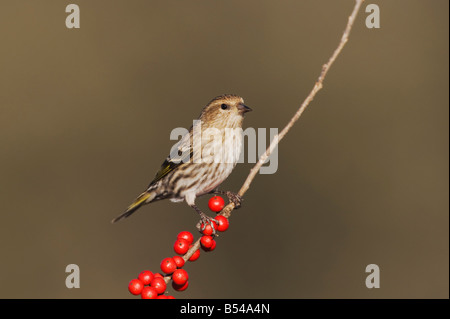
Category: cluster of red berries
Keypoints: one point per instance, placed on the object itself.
(149, 286)
(153, 286)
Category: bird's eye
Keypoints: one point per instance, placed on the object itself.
(224, 106)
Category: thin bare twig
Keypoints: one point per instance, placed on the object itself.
(317, 87)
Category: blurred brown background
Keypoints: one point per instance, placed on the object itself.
(85, 117)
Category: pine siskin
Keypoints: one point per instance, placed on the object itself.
(200, 164)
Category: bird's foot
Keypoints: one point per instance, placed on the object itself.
(235, 198)
(206, 220)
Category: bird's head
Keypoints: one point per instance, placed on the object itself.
(224, 111)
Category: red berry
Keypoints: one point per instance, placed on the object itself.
(180, 276)
(159, 284)
(145, 276)
(216, 204)
(223, 223)
(179, 261)
(135, 286)
(206, 241)
(158, 275)
(213, 245)
(181, 246)
(149, 293)
(168, 265)
(195, 256)
(170, 297)
(162, 297)
(187, 236)
(208, 228)
(178, 287)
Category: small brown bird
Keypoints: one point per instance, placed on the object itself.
(200, 167)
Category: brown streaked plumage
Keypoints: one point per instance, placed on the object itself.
(195, 171)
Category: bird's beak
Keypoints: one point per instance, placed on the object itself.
(243, 108)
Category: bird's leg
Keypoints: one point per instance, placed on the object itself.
(205, 219)
(235, 198)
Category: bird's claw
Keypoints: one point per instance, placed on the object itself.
(235, 198)
(204, 220)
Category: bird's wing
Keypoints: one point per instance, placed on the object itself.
(168, 166)
(185, 154)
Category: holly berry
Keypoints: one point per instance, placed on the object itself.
(187, 236)
(208, 229)
(181, 246)
(223, 223)
(194, 256)
(149, 293)
(206, 241)
(168, 265)
(135, 286)
(216, 204)
(162, 297)
(170, 297)
(180, 287)
(158, 275)
(179, 261)
(145, 276)
(211, 248)
(159, 284)
(180, 277)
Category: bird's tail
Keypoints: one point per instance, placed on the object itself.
(144, 198)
